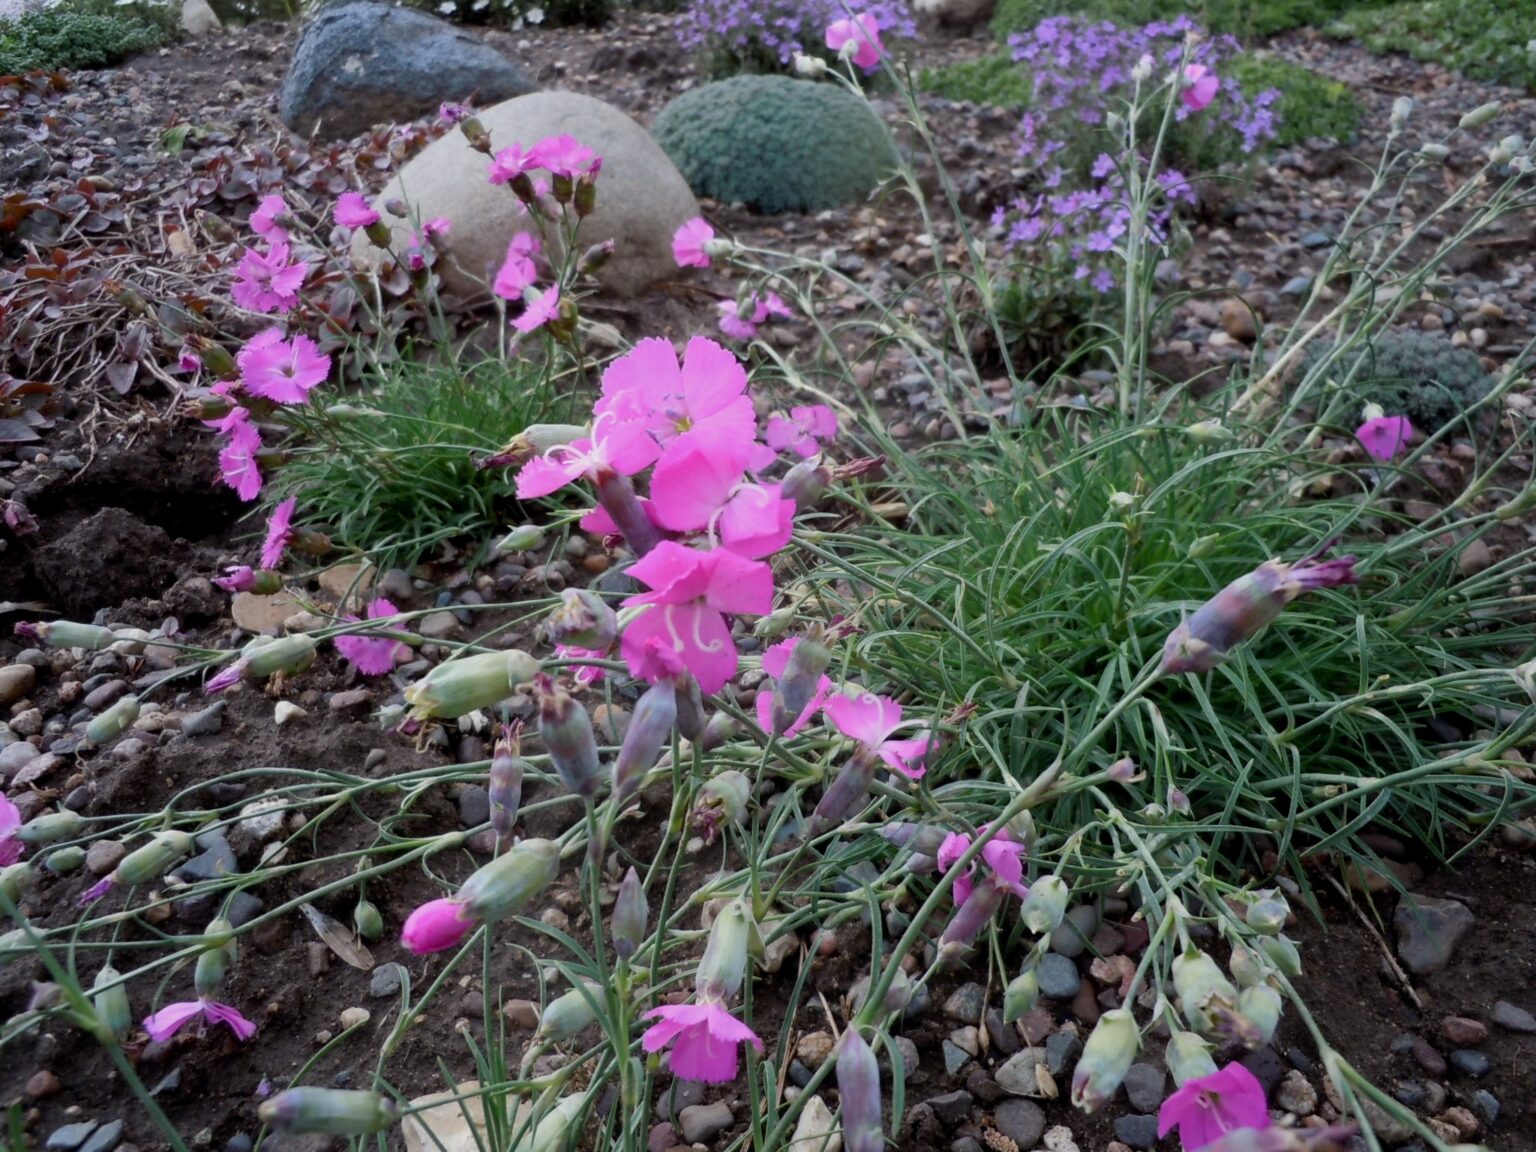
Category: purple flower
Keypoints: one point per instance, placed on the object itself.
(173, 1017)
(768, 31)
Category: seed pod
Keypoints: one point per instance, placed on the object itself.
(329, 1111)
(566, 1017)
(1105, 1060)
(583, 620)
(566, 730)
(808, 661)
(846, 792)
(65, 860)
(150, 861)
(1282, 954)
(1261, 1006)
(214, 961)
(460, 686)
(722, 800)
(1188, 1057)
(858, 1085)
(1268, 912)
(630, 916)
(724, 963)
(523, 538)
(511, 881)
(649, 730)
(1480, 115)
(14, 880)
(775, 624)
(60, 825)
(970, 918)
(805, 483)
(505, 782)
(719, 729)
(367, 920)
(1245, 967)
(1021, 995)
(110, 999)
(922, 838)
(113, 721)
(267, 657)
(1203, 990)
(68, 634)
(1045, 905)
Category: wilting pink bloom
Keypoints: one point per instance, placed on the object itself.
(540, 310)
(279, 533)
(188, 361)
(518, 270)
(372, 655)
(739, 326)
(564, 156)
(352, 211)
(707, 1040)
(264, 221)
(452, 113)
(1206, 1108)
(870, 720)
(283, 371)
(237, 459)
(863, 32)
(267, 282)
(804, 429)
(582, 673)
(690, 592)
(1200, 85)
(237, 578)
(775, 661)
(436, 925)
(613, 447)
(10, 820)
(14, 515)
(511, 162)
(688, 243)
(227, 677)
(699, 486)
(173, 1017)
(706, 393)
(1002, 855)
(1384, 437)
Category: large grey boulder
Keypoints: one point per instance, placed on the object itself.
(358, 65)
(642, 199)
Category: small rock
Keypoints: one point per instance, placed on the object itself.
(198, 18)
(1513, 1018)
(1237, 319)
(1463, 1032)
(71, 1136)
(1059, 1139)
(1475, 557)
(1486, 1105)
(41, 1085)
(438, 625)
(814, 1048)
(1296, 1095)
(352, 698)
(1002, 1035)
(1021, 1121)
(1470, 1062)
(952, 1108)
(955, 1057)
(15, 757)
(1074, 932)
(474, 805)
(16, 680)
(1061, 1052)
(354, 1017)
(385, 980)
(215, 860)
(817, 1129)
(264, 614)
(1058, 975)
(208, 722)
(105, 695)
(701, 1123)
(1144, 1088)
(521, 1013)
(964, 1003)
(263, 819)
(102, 856)
(682, 1094)
(1267, 1066)
(1137, 1131)
(1021, 1075)
(1462, 1120)
(105, 1138)
(287, 712)
(1427, 1058)
(1428, 930)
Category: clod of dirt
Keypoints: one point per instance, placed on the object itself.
(103, 560)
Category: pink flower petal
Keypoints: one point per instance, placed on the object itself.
(757, 521)
(697, 634)
(865, 717)
(171, 1019)
(224, 1014)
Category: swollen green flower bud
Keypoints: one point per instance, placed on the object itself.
(649, 730)
(214, 961)
(460, 686)
(1480, 115)
(775, 624)
(329, 1111)
(150, 861)
(568, 1016)
(858, 1085)
(65, 860)
(14, 880)
(367, 920)
(61, 825)
(1436, 153)
(267, 657)
(113, 721)
(1106, 1058)
(1245, 967)
(1268, 912)
(1261, 1006)
(1402, 108)
(720, 729)
(511, 881)
(505, 782)
(1021, 995)
(583, 620)
(566, 730)
(1282, 954)
(722, 800)
(1045, 905)
(1188, 1057)
(13, 945)
(110, 999)
(68, 634)
(523, 538)
(1206, 993)
(630, 915)
(805, 484)
(724, 963)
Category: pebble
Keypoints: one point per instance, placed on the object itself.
(701, 1123)
(262, 819)
(967, 1039)
(1074, 932)
(106, 695)
(955, 1057)
(352, 698)
(385, 980)
(1428, 930)
(1061, 1052)
(521, 1013)
(438, 625)
(130, 749)
(208, 722)
(1486, 1105)
(102, 856)
(964, 1003)
(1464, 1032)
(1470, 1062)
(15, 757)
(1019, 1077)
(1137, 1131)
(354, 1017)
(1463, 1121)
(1513, 1018)
(71, 1136)
(1426, 1056)
(41, 1085)
(1021, 1121)
(16, 680)
(474, 805)
(1296, 1094)
(1267, 1067)
(1144, 1088)
(814, 1048)
(1002, 1035)
(105, 1138)
(1058, 975)
(1060, 1139)
(287, 712)
(952, 1108)
(682, 1094)
(816, 1130)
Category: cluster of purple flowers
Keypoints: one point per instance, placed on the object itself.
(762, 32)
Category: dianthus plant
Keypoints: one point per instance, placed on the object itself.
(765, 35)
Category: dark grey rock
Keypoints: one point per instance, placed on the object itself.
(358, 65)
(1470, 1062)
(1267, 1067)
(966, 1144)
(1486, 1105)
(385, 980)
(1144, 1087)
(1428, 930)
(1137, 1131)
(955, 1057)
(701, 1123)
(964, 1003)
(983, 1087)
(1058, 975)
(1021, 1121)
(71, 1136)
(952, 1108)
(105, 1138)
(1297, 286)
(205, 723)
(474, 806)
(682, 1094)
(1004, 1036)
(799, 1074)
(106, 695)
(1061, 1052)
(1074, 932)
(217, 859)
(1512, 1018)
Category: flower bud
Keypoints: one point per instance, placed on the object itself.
(112, 722)
(508, 883)
(505, 782)
(435, 926)
(846, 792)
(65, 860)
(213, 962)
(1045, 905)
(1402, 108)
(921, 838)
(14, 944)
(586, 196)
(858, 1086)
(1105, 1060)
(1282, 954)
(1211, 431)
(792, 691)
(1261, 1006)
(1124, 771)
(1480, 115)
(616, 494)
(812, 66)
(775, 624)
(568, 1016)
(722, 800)
(719, 729)
(1435, 153)
(583, 620)
(367, 921)
(1188, 1057)
(68, 634)
(460, 686)
(61, 825)
(523, 538)
(630, 915)
(595, 257)
(14, 880)
(805, 484)
(1268, 912)
(150, 861)
(566, 730)
(1021, 995)
(1204, 991)
(649, 730)
(283, 654)
(724, 963)
(534, 440)
(691, 718)
(1142, 72)
(969, 919)
(1245, 967)
(1178, 802)
(110, 1000)
(329, 1111)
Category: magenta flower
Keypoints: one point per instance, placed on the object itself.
(173, 1017)
(10, 820)
(279, 533)
(1200, 85)
(803, 430)
(706, 393)
(623, 449)
(689, 244)
(267, 282)
(707, 1040)
(583, 674)
(870, 720)
(372, 655)
(742, 327)
(858, 39)
(690, 593)
(1206, 1108)
(188, 360)
(237, 459)
(518, 270)
(1383, 437)
(564, 156)
(283, 371)
(1002, 855)
(452, 113)
(512, 162)
(775, 661)
(435, 926)
(698, 485)
(237, 578)
(352, 211)
(265, 220)
(539, 311)
(436, 227)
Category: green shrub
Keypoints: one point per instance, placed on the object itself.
(1241, 18)
(1310, 103)
(1483, 38)
(993, 79)
(1424, 377)
(775, 143)
(55, 38)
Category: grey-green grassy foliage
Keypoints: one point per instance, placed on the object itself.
(776, 143)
